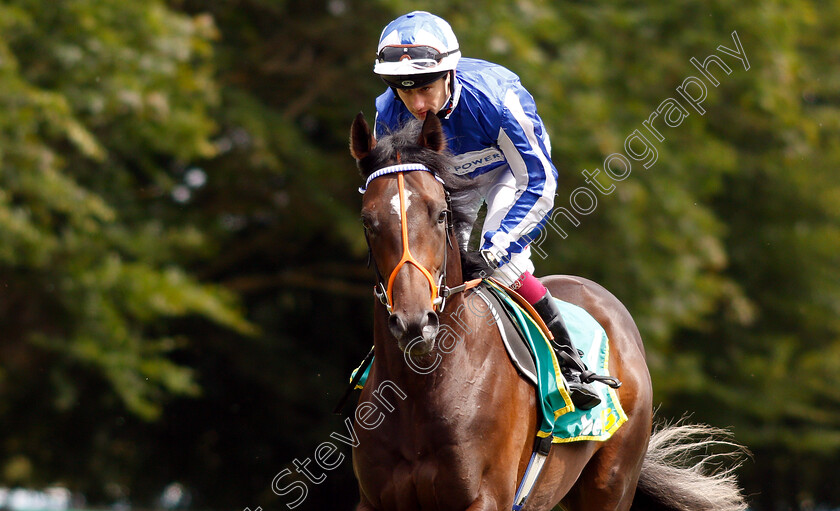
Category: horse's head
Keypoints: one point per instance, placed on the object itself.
(406, 218)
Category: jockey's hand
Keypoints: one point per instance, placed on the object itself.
(494, 256)
(474, 266)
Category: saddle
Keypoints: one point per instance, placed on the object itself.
(513, 334)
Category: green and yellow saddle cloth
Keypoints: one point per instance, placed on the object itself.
(557, 416)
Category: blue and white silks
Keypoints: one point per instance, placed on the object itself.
(498, 139)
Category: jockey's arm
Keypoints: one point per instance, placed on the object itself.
(526, 147)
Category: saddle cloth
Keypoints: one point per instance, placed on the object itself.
(534, 359)
(557, 415)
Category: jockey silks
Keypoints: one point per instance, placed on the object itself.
(498, 139)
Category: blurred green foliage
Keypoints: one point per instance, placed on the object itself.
(183, 287)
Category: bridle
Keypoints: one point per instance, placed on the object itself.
(440, 291)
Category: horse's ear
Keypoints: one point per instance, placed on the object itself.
(431, 135)
(361, 139)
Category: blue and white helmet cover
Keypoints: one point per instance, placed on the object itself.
(418, 28)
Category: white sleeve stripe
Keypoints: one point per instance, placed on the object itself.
(515, 160)
(512, 103)
(546, 201)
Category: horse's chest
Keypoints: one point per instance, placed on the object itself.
(443, 478)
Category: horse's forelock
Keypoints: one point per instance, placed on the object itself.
(403, 141)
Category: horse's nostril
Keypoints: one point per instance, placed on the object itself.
(430, 325)
(397, 326)
(424, 325)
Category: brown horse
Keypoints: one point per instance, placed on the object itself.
(459, 437)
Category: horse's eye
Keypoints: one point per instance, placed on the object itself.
(442, 216)
(366, 223)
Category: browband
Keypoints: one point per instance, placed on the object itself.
(393, 169)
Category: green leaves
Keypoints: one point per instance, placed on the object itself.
(100, 100)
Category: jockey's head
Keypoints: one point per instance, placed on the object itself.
(417, 56)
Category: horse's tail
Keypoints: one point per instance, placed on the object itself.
(690, 467)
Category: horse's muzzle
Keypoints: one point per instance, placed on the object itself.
(416, 333)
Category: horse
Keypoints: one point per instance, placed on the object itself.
(459, 437)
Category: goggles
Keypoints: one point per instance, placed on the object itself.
(420, 56)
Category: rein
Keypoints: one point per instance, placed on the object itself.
(440, 291)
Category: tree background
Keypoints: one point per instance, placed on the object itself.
(183, 288)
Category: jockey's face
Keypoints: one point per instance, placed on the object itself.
(429, 98)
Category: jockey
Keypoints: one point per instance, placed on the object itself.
(498, 141)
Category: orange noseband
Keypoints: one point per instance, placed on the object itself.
(440, 291)
(407, 257)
